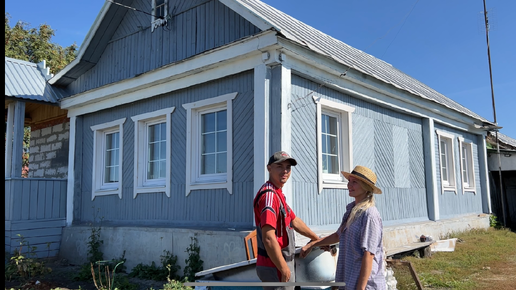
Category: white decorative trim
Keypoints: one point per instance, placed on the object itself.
(471, 169)
(140, 121)
(193, 110)
(71, 171)
(261, 125)
(452, 182)
(345, 141)
(97, 188)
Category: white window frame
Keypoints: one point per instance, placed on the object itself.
(451, 184)
(141, 122)
(343, 112)
(467, 185)
(99, 188)
(157, 22)
(194, 180)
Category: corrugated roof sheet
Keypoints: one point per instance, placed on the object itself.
(339, 51)
(25, 80)
(504, 138)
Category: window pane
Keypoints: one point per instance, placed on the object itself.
(208, 143)
(333, 145)
(156, 151)
(221, 141)
(330, 144)
(333, 165)
(208, 123)
(221, 120)
(208, 164)
(111, 157)
(222, 162)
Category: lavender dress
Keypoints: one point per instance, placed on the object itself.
(364, 234)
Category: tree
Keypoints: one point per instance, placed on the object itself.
(34, 45)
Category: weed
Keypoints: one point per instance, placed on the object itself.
(194, 263)
(494, 223)
(24, 264)
(152, 272)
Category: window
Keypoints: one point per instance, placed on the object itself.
(107, 158)
(466, 165)
(333, 143)
(159, 13)
(152, 150)
(209, 143)
(446, 158)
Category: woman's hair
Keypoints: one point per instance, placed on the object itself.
(363, 205)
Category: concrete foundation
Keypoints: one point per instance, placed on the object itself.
(217, 248)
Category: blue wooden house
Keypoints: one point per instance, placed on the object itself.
(174, 116)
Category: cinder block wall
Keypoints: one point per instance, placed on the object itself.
(48, 154)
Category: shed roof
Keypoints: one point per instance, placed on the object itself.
(28, 81)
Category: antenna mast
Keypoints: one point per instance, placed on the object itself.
(494, 113)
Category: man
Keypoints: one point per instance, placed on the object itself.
(276, 222)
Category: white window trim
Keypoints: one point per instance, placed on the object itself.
(471, 186)
(452, 182)
(345, 141)
(193, 111)
(140, 170)
(98, 159)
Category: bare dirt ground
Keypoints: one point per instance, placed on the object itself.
(62, 277)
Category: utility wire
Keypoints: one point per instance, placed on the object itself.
(404, 19)
(132, 8)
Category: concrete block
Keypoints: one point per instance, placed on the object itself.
(35, 134)
(45, 148)
(57, 146)
(51, 155)
(46, 131)
(64, 136)
(58, 128)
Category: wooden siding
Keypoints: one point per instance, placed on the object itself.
(35, 212)
(388, 142)
(195, 26)
(214, 207)
(452, 204)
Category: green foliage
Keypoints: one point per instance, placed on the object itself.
(175, 285)
(25, 156)
(24, 264)
(194, 263)
(34, 45)
(94, 252)
(105, 278)
(168, 268)
(494, 223)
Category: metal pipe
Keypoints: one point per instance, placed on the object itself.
(494, 113)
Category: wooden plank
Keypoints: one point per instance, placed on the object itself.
(37, 224)
(407, 248)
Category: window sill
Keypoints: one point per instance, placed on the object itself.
(104, 192)
(209, 185)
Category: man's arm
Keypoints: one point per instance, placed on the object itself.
(274, 251)
(300, 227)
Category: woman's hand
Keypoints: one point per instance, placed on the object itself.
(305, 250)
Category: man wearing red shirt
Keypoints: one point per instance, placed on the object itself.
(276, 223)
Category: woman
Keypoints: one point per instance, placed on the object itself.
(360, 263)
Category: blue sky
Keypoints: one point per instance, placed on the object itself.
(441, 43)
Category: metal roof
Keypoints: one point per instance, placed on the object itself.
(28, 81)
(504, 138)
(339, 51)
(265, 17)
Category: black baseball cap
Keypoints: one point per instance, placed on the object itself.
(281, 156)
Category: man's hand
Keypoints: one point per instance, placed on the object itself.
(285, 274)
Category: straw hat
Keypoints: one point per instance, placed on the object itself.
(365, 174)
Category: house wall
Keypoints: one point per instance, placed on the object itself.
(195, 27)
(456, 203)
(388, 142)
(35, 212)
(215, 207)
(48, 155)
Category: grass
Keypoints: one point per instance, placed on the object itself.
(483, 259)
